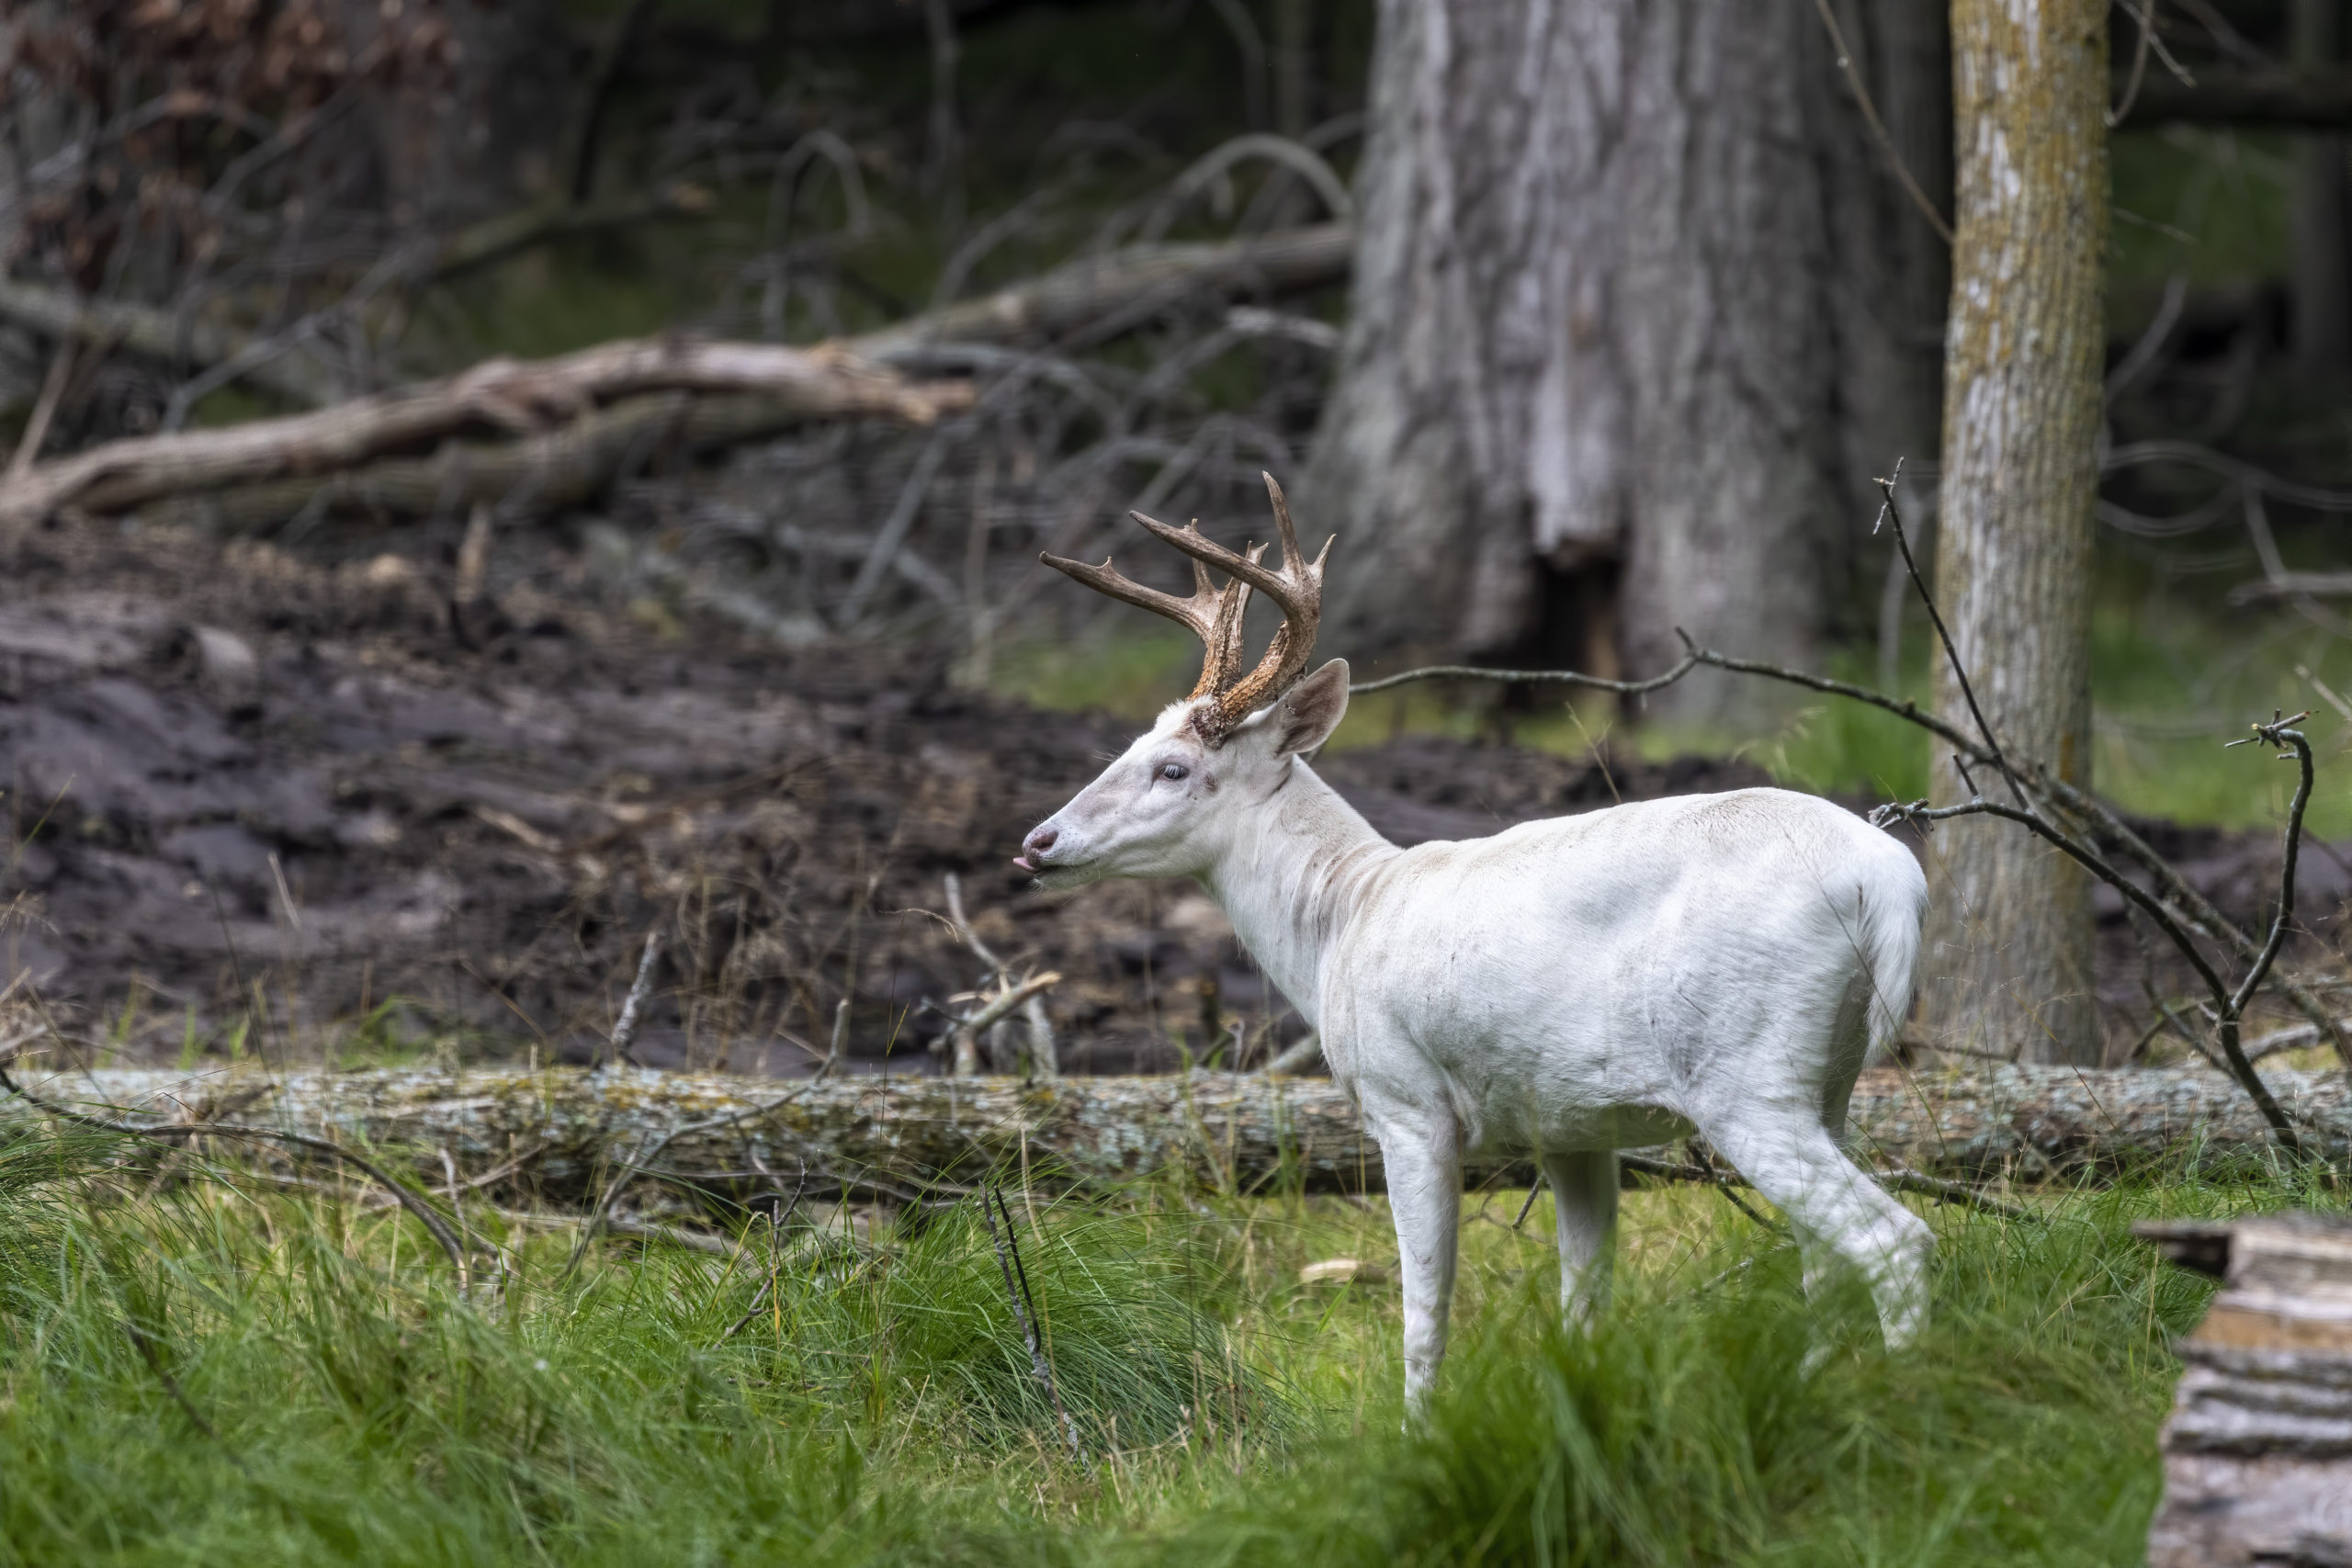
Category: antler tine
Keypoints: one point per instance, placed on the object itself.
(1301, 602)
(1202, 611)
(1223, 665)
(1215, 614)
(1275, 585)
(1292, 555)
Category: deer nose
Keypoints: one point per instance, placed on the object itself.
(1034, 847)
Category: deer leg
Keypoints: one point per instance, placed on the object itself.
(1423, 1160)
(1793, 1161)
(1584, 1200)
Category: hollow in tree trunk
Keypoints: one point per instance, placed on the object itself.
(2009, 965)
(1635, 317)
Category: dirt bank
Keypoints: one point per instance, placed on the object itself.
(314, 778)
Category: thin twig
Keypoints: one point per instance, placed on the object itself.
(1936, 220)
(2193, 906)
(1024, 1309)
(1891, 514)
(2144, 15)
(2279, 735)
(1716, 1179)
(1900, 1178)
(425, 1213)
(964, 931)
(632, 1006)
(646, 1155)
(778, 1217)
(1905, 1179)
(837, 1048)
(2092, 861)
(641, 1230)
(52, 387)
(450, 1170)
(1569, 677)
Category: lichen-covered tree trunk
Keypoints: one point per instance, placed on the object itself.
(2008, 961)
(1624, 281)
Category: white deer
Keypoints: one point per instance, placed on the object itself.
(1718, 963)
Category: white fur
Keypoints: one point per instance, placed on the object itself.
(1716, 963)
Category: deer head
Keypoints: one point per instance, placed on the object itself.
(1159, 809)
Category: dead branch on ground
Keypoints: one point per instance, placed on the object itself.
(520, 397)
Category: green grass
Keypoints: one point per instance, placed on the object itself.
(222, 1371)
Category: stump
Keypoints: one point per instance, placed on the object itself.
(2259, 1449)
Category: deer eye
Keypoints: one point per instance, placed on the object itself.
(1174, 772)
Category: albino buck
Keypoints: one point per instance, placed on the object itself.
(1717, 963)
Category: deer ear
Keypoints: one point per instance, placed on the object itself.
(1310, 711)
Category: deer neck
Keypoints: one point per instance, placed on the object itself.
(1297, 866)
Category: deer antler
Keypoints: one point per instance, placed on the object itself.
(1215, 614)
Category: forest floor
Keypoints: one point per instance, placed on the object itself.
(302, 802)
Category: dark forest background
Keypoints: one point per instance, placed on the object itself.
(1129, 233)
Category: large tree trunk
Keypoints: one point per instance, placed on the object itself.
(1893, 273)
(1606, 331)
(2009, 938)
(468, 106)
(1243, 1133)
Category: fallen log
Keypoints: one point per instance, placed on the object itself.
(523, 397)
(563, 467)
(1244, 1132)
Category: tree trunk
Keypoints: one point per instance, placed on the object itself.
(2322, 304)
(1895, 268)
(1239, 1132)
(2010, 937)
(1606, 331)
(467, 106)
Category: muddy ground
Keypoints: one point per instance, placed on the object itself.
(301, 802)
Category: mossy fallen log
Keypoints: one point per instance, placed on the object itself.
(904, 1134)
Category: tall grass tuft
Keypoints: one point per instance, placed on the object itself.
(221, 1371)
(1715, 1416)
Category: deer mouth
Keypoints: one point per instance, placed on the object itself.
(1052, 872)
